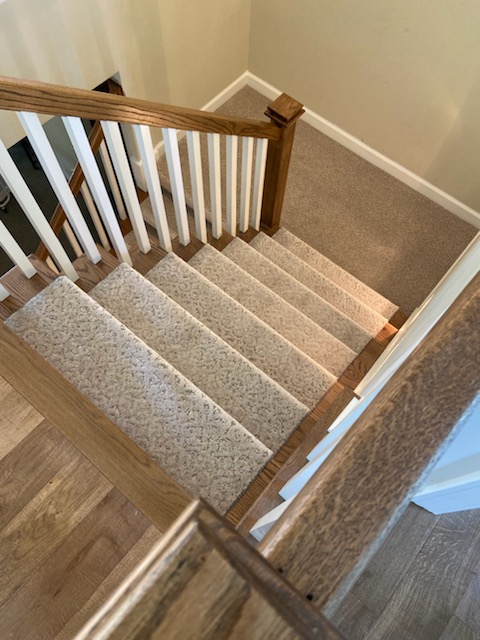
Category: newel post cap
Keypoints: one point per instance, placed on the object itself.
(285, 110)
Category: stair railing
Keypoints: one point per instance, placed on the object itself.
(264, 159)
(350, 504)
(410, 335)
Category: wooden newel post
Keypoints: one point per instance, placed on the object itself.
(284, 112)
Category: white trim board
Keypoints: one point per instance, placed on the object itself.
(376, 158)
(463, 494)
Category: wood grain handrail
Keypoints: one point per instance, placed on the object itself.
(56, 100)
(127, 466)
(326, 536)
(203, 579)
(77, 178)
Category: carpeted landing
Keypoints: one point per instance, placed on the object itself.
(209, 366)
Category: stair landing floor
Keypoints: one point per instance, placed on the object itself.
(68, 536)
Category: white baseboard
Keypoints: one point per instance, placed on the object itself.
(391, 167)
(461, 494)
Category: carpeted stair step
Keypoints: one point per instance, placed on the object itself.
(257, 402)
(302, 298)
(293, 325)
(336, 274)
(193, 439)
(319, 284)
(301, 376)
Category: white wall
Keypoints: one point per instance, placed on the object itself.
(404, 77)
(175, 51)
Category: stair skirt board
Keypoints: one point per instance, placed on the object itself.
(202, 447)
(257, 402)
(296, 372)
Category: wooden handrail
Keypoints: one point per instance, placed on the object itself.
(56, 222)
(337, 521)
(129, 468)
(56, 100)
(204, 580)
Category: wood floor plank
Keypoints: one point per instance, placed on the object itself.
(17, 418)
(468, 610)
(456, 630)
(115, 578)
(44, 523)
(426, 598)
(29, 467)
(56, 590)
(353, 618)
(376, 585)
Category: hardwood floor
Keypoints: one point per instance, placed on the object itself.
(68, 536)
(423, 583)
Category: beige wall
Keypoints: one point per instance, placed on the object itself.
(174, 51)
(402, 76)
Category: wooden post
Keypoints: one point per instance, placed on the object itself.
(284, 112)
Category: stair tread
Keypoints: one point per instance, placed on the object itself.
(269, 351)
(337, 324)
(335, 273)
(320, 284)
(293, 325)
(257, 402)
(193, 439)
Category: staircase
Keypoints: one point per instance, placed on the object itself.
(207, 360)
(202, 364)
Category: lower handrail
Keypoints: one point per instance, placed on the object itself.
(340, 517)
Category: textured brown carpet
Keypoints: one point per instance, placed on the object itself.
(390, 237)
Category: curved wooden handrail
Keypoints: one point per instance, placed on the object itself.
(337, 521)
(56, 100)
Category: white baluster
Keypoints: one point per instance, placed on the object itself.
(15, 252)
(3, 293)
(260, 165)
(147, 156)
(87, 161)
(33, 212)
(115, 145)
(215, 173)
(77, 249)
(245, 194)
(172, 155)
(112, 180)
(266, 522)
(232, 161)
(196, 177)
(92, 210)
(53, 171)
